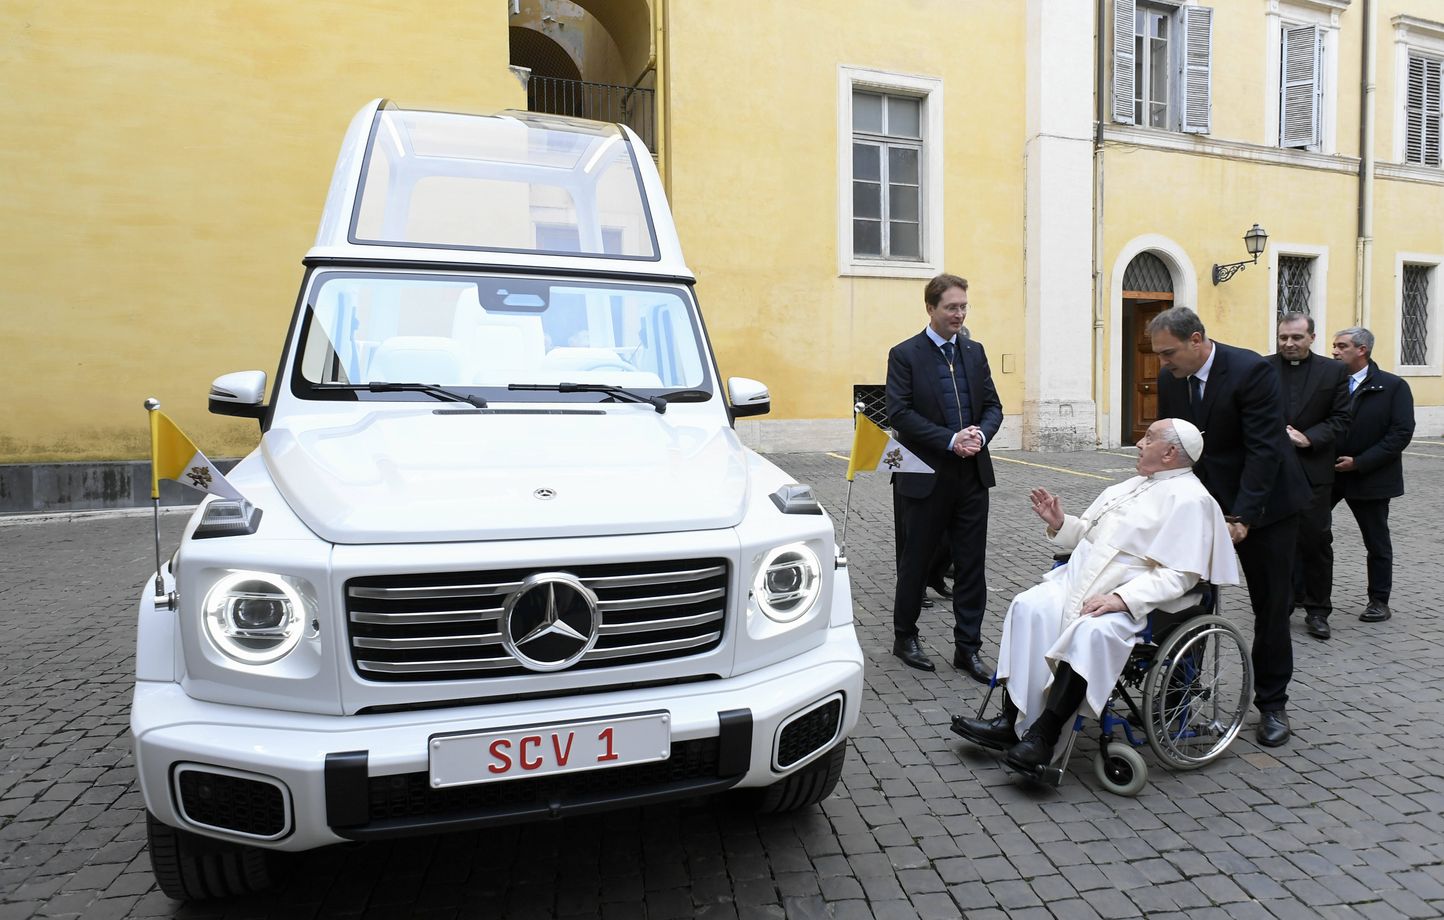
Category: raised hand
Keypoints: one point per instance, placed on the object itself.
(1048, 507)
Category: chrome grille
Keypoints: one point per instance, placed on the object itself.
(447, 626)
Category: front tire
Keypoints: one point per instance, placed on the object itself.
(806, 787)
(189, 867)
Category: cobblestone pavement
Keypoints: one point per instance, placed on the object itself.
(1345, 821)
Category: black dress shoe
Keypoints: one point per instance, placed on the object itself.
(941, 588)
(912, 655)
(927, 603)
(1376, 612)
(1273, 728)
(996, 734)
(1317, 625)
(1033, 752)
(973, 665)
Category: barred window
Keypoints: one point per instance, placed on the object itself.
(1295, 284)
(887, 169)
(1414, 319)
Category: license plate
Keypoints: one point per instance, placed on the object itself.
(539, 750)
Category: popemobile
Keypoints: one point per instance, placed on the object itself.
(500, 555)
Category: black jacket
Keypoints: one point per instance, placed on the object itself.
(1322, 414)
(1382, 426)
(915, 410)
(1248, 464)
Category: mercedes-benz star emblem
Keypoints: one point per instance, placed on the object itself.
(545, 494)
(550, 622)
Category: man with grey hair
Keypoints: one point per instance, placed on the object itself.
(1142, 545)
(1370, 468)
(1252, 470)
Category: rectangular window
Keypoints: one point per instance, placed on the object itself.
(1422, 111)
(1295, 280)
(1162, 65)
(887, 193)
(1414, 315)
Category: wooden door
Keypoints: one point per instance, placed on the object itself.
(1140, 387)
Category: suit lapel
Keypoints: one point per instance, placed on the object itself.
(970, 370)
(1216, 381)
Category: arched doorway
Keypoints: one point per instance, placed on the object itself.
(1147, 291)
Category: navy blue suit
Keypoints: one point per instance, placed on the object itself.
(1253, 471)
(952, 500)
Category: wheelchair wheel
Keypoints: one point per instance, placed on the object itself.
(1197, 692)
(1120, 768)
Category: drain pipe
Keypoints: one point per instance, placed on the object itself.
(1103, 437)
(1364, 248)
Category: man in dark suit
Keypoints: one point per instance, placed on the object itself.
(942, 403)
(1370, 468)
(1252, 471)
(1316, 414)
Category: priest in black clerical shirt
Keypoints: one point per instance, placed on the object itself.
(1316, 409)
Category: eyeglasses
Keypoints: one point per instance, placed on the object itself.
(954, 310)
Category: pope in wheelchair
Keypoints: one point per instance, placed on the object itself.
(1142, 546)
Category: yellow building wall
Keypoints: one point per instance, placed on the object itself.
(753, 163)
(163, 174)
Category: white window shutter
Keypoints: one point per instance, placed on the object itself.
(1197, 68)
(1432, 80)
(1123, 64)
(1299, 103)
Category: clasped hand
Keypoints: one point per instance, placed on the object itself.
(968, 442)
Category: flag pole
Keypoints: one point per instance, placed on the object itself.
(847, 503)
(151, 405)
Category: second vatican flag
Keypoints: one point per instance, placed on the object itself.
(174, 456)
(873, 448)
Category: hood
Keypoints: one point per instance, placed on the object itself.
(416, 475)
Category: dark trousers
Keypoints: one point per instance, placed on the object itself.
(1314, 564)
(942, 555)
(1267, 556)
(1373, 517)
(958, 510)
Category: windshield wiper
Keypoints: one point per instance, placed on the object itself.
(618, 393)
(382, 386)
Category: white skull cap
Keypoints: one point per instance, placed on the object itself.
(1191, 437)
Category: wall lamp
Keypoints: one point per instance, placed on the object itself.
(1255, 240)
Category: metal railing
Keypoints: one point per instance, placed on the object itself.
(629, 105)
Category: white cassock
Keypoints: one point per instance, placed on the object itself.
(1149, 540)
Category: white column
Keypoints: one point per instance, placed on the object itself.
(1058, 408)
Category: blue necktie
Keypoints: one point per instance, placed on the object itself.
(1195, 393)
(949, 350)
(1353, 382)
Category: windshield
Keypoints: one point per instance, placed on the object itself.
(484, 334)
(515, 183)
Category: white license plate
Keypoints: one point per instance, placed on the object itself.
(538, 750)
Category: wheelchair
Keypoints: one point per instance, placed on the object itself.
(1184, 692)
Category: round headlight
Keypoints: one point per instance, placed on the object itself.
(788, 582)
(253, 617)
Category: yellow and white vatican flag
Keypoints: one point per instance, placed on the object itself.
(174, 456)
(873, 449)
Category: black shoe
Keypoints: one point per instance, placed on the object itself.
(973, 665)
(996, 734)
(1376, 612)
(927, 603)
(1273, 728)
(912, 654)
(1318, 625)
(1030, 754)
(941, 588)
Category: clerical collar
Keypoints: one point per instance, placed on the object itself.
(1307, 356)
(937, 339)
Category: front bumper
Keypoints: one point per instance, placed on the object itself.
(364, 776)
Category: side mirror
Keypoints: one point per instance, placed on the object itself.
(748, 397)
(239, 394)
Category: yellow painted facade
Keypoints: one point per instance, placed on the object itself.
(167, 164)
